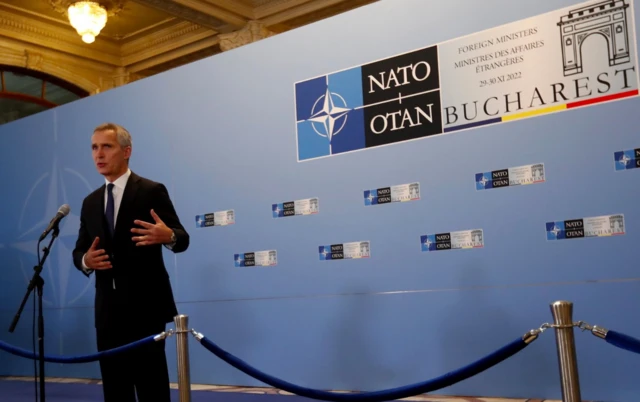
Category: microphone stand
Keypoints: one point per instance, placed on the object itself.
(38, 283)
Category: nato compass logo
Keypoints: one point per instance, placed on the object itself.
(483, 181)
(277, 210)
(325, 253)
(494, 179)
(330, 118)
(331, 252)
(571, 229)
(206, 220)
(435, 242)
(239, 260)
(379, 103)
(371, 197)
(629, 159)
(63, 285)
(283, 209)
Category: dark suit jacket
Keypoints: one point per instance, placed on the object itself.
(142, 284)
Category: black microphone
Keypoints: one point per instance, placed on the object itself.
(62, 212)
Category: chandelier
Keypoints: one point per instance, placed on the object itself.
(88, 17)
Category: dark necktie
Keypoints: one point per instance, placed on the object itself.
(110, 209)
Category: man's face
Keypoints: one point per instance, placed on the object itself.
(108, 155)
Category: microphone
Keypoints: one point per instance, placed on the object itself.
(62, 212)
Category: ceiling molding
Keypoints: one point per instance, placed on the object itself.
(252, 32)
(167, 34)
(112, 7)
(298, 11)
(274, 7)
(203, 6)
(172, 41)
(17, 10)
(183, 12)
(237, 7)
(64, 40)
(173, 54)
(148, 28)
(197, 55)
(320, 14)
(18, 47)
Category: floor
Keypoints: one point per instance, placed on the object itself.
(272, 391)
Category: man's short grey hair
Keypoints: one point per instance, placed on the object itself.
(123, 136)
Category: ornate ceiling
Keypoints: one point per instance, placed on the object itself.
(146, 36)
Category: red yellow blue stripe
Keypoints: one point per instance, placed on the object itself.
(551, 109)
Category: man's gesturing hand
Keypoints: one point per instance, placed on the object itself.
(97, 259)
(157, 233)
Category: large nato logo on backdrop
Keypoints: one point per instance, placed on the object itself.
(380, 103)
(64, 285)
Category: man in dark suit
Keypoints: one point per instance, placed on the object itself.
(123, 226)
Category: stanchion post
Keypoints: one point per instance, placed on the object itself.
(563, 319)
(182, 347)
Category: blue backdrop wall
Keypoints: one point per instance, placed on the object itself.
(221, 133)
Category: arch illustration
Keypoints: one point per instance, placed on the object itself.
(607, 18)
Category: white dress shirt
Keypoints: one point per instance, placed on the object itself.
(117, 191)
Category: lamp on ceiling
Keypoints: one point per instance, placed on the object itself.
(88, 18)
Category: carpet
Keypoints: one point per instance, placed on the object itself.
(24, 391)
